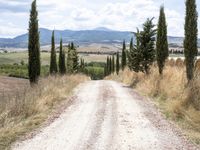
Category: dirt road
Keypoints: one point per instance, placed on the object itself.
(108, 116)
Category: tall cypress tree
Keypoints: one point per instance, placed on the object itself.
(123, 55)
(105, 70)
(69, 59)
(74, 58)
(135, 55)
(110, 64)
(131, 44)
(117, 63)
(107, 66)
(162, 50)
(62, 66)
(53, 61)
(113, 64)
(33, 46)
(190, 42)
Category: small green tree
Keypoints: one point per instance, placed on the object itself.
(117, 63)
(75, 58)
(131, 44)
(147, 43)
(190, 42)
(142, 55)
(69, 60)
(113, 64)
(135, 55)
(105, 71)
(82, 65)
(53, 61)
(33, 46)
(110, 64)
(162, 50)
(72, 59)
(62, 65)
(123, 63)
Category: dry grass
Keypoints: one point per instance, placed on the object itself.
(170, 92)
(27, 109)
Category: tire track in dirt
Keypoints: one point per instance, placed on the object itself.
(107, 115)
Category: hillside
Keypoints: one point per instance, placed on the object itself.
(97, 35)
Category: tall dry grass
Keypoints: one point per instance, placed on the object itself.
(25, 110)
(179, 101)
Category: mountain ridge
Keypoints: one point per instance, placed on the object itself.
(97, 35)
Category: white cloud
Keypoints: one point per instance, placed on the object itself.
(86, 14)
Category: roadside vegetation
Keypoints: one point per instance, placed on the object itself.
(173, 84)
(50, 86)
(177, 101)
(26, 109)
(20, 71)
(95, 70)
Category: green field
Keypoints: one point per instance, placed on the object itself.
(15, 64)
(12, 58)
(20, 71)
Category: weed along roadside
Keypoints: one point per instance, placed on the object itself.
(169, 94)
(45, 75)
(31, 107)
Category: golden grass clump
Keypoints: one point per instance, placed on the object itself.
(197, 65)
(179, 62)
(25, 110)
(177, 99)
(171, 62)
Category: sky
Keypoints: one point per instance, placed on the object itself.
(123, 15)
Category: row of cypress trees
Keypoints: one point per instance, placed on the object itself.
(142, 55)
(34, 64)
(112, 65)
(72, 59)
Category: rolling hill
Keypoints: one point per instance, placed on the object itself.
(97, 35)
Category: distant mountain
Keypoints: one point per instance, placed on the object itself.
(102, 29)
(97, 35)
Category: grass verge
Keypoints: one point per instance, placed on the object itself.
(27, 109)
(179, 102)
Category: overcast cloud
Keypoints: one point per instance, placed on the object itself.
(124, 15)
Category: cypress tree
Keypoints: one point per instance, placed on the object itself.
(110, 65)
(162, 50)
(113, 64)
(124, 55)
(33, 46)
(53, 61)
(62, 66)
(69, 60)
(107, 67)
(117, 63)
(82, 65)
(190, 42)
(131, 44)
(105, 70)
(74, 58)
